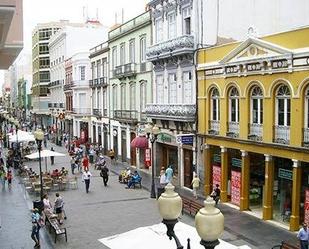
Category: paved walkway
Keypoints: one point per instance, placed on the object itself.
(108, 211)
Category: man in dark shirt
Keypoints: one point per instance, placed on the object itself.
(104, 175)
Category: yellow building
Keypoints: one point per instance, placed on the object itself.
(253, 124)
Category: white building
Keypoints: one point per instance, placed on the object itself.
(62, 46)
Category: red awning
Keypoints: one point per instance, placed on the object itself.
(139, 142)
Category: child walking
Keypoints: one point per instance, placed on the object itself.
(195, 184)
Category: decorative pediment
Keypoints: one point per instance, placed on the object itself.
(254, 48)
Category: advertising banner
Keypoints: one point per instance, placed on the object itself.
(235, 187)
(147, 158)
(306, 206)
(216, 176)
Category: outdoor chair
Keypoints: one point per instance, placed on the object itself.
(73, 183)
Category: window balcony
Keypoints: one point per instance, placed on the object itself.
(143, 117)
(214, 127)
(83, 111)
(50, 105)
(118, 72)
(233, 129)
(129, 69)
(306, 137)
(61, 105)
(126, 115)
(175, 112)
(97, 112)
(179, 45)
(67, 87)
(99, 82)
(255, 132)
(55, 105)
(282, 134)
(105, 112)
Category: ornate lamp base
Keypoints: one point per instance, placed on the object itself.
(209, 244)
(170, 224)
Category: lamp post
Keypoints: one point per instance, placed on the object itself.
(39, 136)
(69, 138)
(152, 134)
(209, 221)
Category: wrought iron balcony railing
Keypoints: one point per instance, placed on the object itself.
(233, 129)
(282, 134)
(129, 116)
(255, 132)
(214, 127)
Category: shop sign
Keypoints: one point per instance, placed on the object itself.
(285, 174)
(306, 207)
(217, 158)
(216, 175)
(236, 162)
(235, 188)
(163, 137)
(147, 158)
(185, 139)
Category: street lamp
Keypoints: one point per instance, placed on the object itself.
(69, 138)
(209, 221)
(39, 136)
(152, 134)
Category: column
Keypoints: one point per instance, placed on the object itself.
(294, 219)
(224, 174)
(269, 188)
(245, 179)
(207, 170)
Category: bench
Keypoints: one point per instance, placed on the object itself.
(285, 245)
(54, 224)
(190, 206)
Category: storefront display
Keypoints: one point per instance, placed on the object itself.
(236, 187)
(216, 176)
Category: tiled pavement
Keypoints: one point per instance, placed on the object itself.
(107, 211)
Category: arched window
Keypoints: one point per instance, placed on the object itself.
(215, 104)
(233, 105)
(307, 108)
(283, 103)
(256, 105)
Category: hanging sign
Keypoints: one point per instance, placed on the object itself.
(216, 176)
(235, 188)
(147, 157)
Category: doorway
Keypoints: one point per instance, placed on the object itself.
(188, 170)
(133, 150)
(123, 146)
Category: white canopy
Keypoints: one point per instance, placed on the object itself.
(21, 136)
(44, 153)
(155, 237)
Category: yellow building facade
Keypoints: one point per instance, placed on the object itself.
(253, 124)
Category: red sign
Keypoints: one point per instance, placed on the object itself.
(306, 206)
(147, 157)
(82, 135)
(235, 187)
(216, 175)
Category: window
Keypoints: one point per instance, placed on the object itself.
(104, 67)
(132, 97)
(215, 105)
(99, 68)
(186, 25)
(114, 97)
(172, 90)
(93, 69)
(187, 87)
(256, 105)
(171, 19)
(132, 51)
(143, 96)
(114, 57)
(44, 62)
(283, 106)
(94, 98)
(122, 54)
(98, 98)
(143, 49)
(82, 72)
(123, 97)
(104, 99)
(234, 105)
(159, 30)
(160, 89)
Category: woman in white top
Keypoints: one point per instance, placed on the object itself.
(48, 210)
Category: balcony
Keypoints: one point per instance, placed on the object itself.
(179, 45)
(214, 127)
(233, 129)
(55, 105)
(83, 111)
(129, 69)
(143, 117)
(255, 132)
(282, 134)
(306, 137)
(61, 105)
(67, 87)
(105, 112)
(118, 72)
(55, 83)
(99, 82)
(176, 112)
(50, 105)
(97, 112)
(126, 115)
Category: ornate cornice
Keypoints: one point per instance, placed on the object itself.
(181, 112)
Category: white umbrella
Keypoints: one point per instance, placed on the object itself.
(21, 136)
(44, 153)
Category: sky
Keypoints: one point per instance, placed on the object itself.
(41, 11)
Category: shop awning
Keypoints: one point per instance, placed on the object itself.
(139, 142)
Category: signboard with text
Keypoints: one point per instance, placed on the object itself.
(185, 139)
(216, 176)
(285, 174)
(147, 158)
(306, 207)
(235, 187)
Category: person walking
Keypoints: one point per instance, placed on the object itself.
(163, 181)
(9, 177)
(195, 185)
(85, 163)
(59, 208)
(169, 174)
(104, 175)
(216, 194)
(35, 231)
(72, 162)
(303, 236)
(86, 178)
(52, 158)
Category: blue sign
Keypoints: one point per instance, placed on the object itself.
(187, 140)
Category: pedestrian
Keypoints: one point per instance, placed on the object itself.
(52, 158)
(36, 225)
(303, 236)
(2, 176)
(195, 185)
(169, 174)
(86, 178)
(216, 194)
(112, 155)
(104, 175)
(162, 178)
(73, 165)
(85, 162)
(59, 208)
(48, 210)
(9, 177)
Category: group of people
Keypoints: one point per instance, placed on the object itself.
(6, 176)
